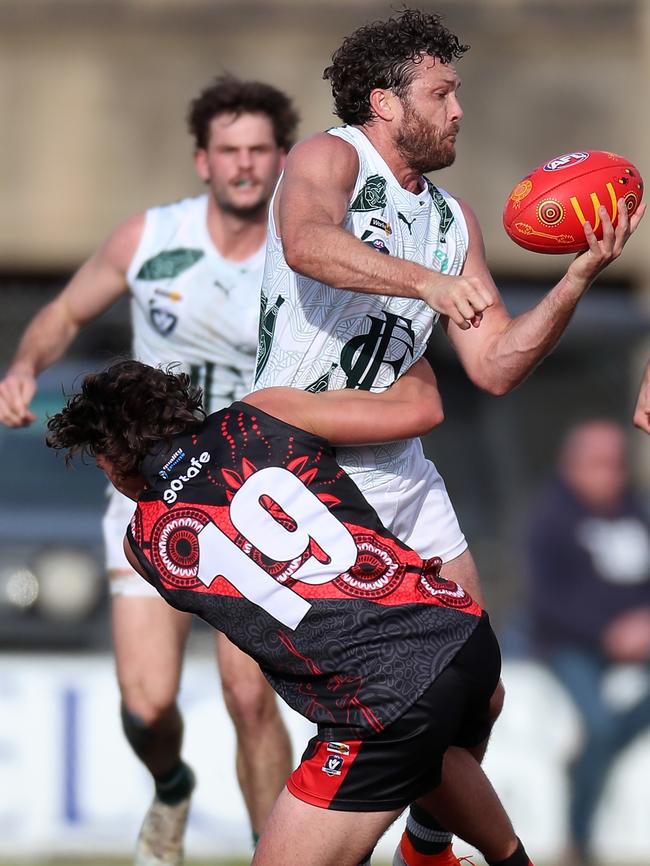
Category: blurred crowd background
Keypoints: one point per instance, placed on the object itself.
(93, 97)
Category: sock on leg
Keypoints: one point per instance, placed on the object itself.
(424, 841)
(424, 832)
(176, 785)
(517, 858)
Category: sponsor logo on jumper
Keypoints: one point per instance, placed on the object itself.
(172, 295)
(380, 224)
(338, 748)
(565, 161)
(403, 219)
(173, 461)
(170, 494)
(333, 765)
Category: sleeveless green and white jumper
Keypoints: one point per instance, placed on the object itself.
(192, 306)
(316, 337)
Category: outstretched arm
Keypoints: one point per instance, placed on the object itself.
(503, 351)
(411, 407)
(642, 412)
(93, 288)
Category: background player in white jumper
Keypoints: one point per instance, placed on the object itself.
(193, 269)
(365, 255)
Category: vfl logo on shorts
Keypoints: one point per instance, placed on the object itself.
(333, 765)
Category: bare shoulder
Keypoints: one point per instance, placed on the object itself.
(476, 247)
(121, 244)
(470, 217)
(323, 155)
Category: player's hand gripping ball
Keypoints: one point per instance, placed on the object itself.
(546, 211)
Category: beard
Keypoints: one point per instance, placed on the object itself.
(244, 212)
(422, 145)
(228, 202)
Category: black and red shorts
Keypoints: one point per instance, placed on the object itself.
(389, 770)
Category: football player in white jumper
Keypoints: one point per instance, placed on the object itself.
(193, 270)
(364, 256)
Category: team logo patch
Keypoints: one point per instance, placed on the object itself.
(175, 546)
(338, 748)
(568, 159)
(389, 340)
(372, 196)
(333, 765)
(169, 264)
(162, 320)
(379, 245)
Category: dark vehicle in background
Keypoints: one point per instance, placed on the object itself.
(52, 586)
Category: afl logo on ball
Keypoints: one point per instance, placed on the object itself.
(566, 161)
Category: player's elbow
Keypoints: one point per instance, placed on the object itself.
(496, 385)
(425, 417)
(296, 253)
(304, 250)
(436, 415)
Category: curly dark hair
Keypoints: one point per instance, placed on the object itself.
(230, 95)
(123, 412)
(386, 54)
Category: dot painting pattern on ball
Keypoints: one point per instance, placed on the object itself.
(546, 211)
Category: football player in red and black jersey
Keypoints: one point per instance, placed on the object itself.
(245, 518)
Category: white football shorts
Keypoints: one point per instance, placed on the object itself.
(122, 579)
(411, 500)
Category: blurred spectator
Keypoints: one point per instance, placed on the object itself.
(588, 551)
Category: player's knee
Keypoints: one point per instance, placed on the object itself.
(136, 729)
(250, 703)
(148, 709)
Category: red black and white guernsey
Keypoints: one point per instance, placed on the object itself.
(251, 524)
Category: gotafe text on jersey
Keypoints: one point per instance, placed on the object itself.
(170, 495)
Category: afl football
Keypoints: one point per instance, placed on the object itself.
(546, 211)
